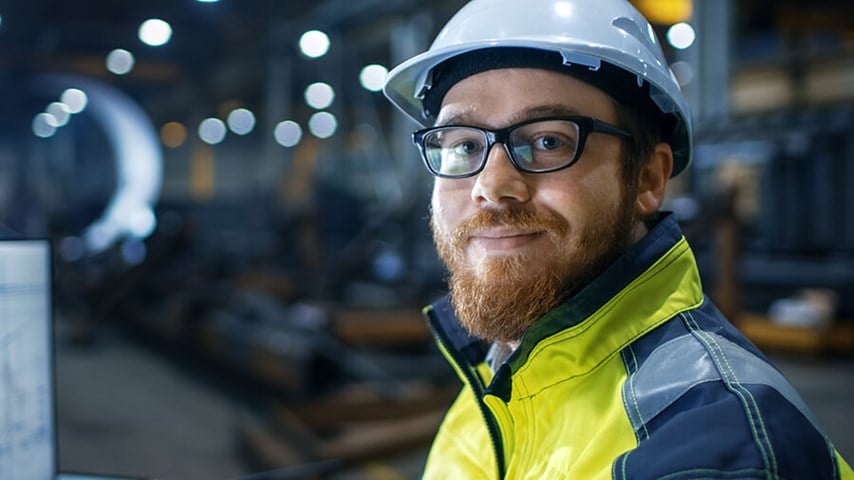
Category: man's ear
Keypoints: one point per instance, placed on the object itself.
(653, 179)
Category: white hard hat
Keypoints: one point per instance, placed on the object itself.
(586, 34)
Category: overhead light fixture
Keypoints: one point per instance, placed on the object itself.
(681, 35)
(120, 61)
(241, 121)
(60, 113)
(44, 125)
(212, 131)
(75, 99)
(372, 77)
(322, 124)
(314, 44)
(288, 133)
(319, 95)
(155, 32)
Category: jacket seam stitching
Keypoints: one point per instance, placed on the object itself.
(715, 471)
(754, 417)
(529, 409)
(642, 433)
(625, 459)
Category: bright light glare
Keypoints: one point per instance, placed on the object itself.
(314, 43)
(207, 1)
(681, 36)
(60, 112)
(319, 95)
(288, 133)
(241, 121)
(75, 99)
(44, 125)
(322, 124)
(138, 157)
(155, 32)
(120, 61)
(142, 222)
(372, 77)
(212, 130)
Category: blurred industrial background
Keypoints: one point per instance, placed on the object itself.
(239, 219)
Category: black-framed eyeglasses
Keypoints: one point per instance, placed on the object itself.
(537, 145)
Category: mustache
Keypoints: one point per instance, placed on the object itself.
(545, 221)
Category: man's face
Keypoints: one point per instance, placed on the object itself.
(517, 244)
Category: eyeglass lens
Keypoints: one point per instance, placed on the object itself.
(537, 146)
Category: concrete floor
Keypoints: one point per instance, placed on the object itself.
(123, 408)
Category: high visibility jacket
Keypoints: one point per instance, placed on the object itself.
(636, 376)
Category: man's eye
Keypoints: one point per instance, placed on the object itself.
(547, 142)
(466, 148)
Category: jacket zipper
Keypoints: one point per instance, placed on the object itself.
(473, 379)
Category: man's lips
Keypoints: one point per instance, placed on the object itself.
(503, 239)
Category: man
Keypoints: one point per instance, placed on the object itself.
(576, 318)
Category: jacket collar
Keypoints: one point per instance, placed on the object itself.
(606, 290)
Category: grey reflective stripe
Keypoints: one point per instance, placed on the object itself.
(680, 364)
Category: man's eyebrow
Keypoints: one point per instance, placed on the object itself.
(465, 118)
(544, 111)
(459, 118)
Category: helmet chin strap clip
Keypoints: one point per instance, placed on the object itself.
(422, 86)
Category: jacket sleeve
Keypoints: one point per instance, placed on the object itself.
(715, 432)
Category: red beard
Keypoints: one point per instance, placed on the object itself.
(502, 298)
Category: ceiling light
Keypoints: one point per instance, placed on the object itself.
(288, 133)
(241, 121)
(314, 43)
(322, 124)
(319, 95)
(75, 99)
(212, 131)
(59, 112)
(681, 36)
(155, 32)
(44, 125)
(372, 77)
(120, 61)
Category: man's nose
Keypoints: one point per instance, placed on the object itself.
(500, 181)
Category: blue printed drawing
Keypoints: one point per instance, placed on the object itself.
(26, 410)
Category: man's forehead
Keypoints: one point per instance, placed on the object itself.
(502, 97)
